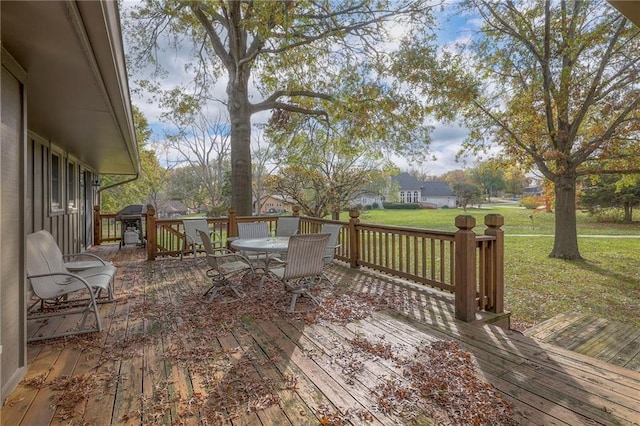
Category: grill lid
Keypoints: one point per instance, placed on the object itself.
(133, 211)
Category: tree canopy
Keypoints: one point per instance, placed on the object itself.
(557, 89)
(149, 185)
(323, 58)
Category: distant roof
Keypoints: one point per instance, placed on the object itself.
(430, 188)
(173, 206)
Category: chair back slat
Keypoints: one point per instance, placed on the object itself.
(287, 226)
(44, 257)
(191, 228)
(334, 231)
(305, 255)
(253, 229)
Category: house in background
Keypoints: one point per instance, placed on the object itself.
(171, 209)
(275, 204)
(367, 200)
(66, 119)
(429, 194)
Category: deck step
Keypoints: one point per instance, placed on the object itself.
(610, 341)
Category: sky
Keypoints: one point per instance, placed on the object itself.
(446, 139)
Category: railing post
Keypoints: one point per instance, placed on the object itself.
(465, 269)
(295, 210)
(97, 226)
(152, 233)
(494, 223)
(354, 243)
(232, 223)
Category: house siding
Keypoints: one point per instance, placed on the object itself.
(12, 292)
(25, 208)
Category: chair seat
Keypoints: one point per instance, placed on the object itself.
(81, 265)
(233, 266)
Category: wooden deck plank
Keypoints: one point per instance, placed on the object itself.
(305, 388)
(328, 356)
(606, 342)
(528, 409)
(63, 366)
(327, 386)
(629, 353)
(243, 415)
(550, 378)
(553, 325)
(294, 410)
(127, 404)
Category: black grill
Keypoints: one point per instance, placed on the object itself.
(131, 228)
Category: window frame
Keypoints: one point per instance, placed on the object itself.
(56, 181)
(72, 184)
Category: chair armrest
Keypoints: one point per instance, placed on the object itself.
(68, 274)
(91, 255)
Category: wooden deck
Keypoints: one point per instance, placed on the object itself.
(169, 357)
(600, 338)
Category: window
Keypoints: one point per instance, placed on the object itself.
(415, 197)
(402, 196)
(72, 185)
(56, 182)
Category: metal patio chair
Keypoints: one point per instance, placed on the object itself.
(303, 266)
(60, 292)
(193, 242)
(223, 265)
(287, 226)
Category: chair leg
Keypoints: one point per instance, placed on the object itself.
(294, 299)
(224, 283)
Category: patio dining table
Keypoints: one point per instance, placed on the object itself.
(267, 246)
(262, 245)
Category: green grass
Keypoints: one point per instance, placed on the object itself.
(606, 284)
(517, 220)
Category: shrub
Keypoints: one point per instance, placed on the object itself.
(401, 206)
(608, 215)
(532, 202)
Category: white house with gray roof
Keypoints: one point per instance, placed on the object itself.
(429, 194)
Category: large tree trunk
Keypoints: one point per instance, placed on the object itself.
(240, 117)
(628, 212)
(566, 233)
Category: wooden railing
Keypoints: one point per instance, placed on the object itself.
(469, 265)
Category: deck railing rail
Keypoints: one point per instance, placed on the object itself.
(462, 262)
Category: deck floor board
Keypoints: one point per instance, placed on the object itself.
(142, 372)
(603, 339)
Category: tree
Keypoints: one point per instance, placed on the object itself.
(489, 176)
(184, 184)
(202, 143)
(560, 94)
(263, 154)
(421, 174)
(322, 173)
(454, 177)
(515, 180)
(298, 54)
(613, 191)
(149, 185)
(467, 193)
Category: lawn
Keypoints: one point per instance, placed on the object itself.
(606, 284)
